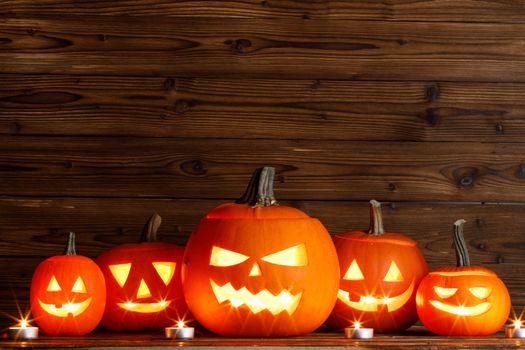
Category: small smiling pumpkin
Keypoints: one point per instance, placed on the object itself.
(68, 293)
(380, 273)
(144, 286)
(464, 300)
(254, 268)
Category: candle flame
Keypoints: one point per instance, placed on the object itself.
(517, 324)
(23, 323)
(180, 324)
(357, 325)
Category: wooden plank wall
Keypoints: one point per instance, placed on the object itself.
(111, 110)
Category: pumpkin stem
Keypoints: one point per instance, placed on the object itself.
(70, 245)
(376, 219)
(259, 192)
(462, 256)
(149, 232)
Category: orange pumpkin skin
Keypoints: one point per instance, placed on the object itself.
(374, 255)
(463, 278)
(88, 300)
(463, 300)
(255, 235)
(147, 311)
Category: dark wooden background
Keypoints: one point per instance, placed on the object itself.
(112, 110)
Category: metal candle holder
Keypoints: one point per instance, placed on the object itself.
(23, 333)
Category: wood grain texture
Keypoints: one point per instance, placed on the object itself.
(37, 228)
(265, 48)
(251, 108)
(220, 168)
(416, 337)
(393, 10)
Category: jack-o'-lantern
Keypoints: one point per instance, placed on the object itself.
(67, 293)
(253, 268)
(380, 273)
(464, 300)
(144, 286)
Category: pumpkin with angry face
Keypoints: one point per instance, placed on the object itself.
(68, 293)
(380, 273)
(144, 286)
(253, 268)
(464, 300)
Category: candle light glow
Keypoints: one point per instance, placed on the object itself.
(517, 324)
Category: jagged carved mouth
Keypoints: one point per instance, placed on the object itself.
(263, 300)
(462, 310)
(369, 303)
(63, 310)
(145, 308)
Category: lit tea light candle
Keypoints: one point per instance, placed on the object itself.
(179, 332)
(515, 330)
(358, 332)
(23, 332)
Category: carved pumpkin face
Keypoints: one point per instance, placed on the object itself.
(68, 295)
(144, 286)
(464, 300)
(379, 277)
(260, 271)
(227, 263)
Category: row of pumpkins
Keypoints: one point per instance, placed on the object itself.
(253, 268)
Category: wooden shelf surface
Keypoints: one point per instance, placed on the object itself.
(414, 338)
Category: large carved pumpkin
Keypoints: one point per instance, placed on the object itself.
(144, 286)
(464, 300)
(68, 293)
(253, 268)
(380, 273)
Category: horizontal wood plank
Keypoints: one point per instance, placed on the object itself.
(248, 108)
(393, 10)
(416, 337)
(38, 227)
(220, 168)
(338, 49)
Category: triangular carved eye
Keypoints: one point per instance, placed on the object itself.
(354, 272)
(165, 270)
(393, 274)
(53, 285)
(293, 256)
(120, 272)
(224, 257)
(79, 286)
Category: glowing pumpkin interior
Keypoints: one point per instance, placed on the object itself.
(294, 256)
(371, 302)
(72, 306)
(121, 272)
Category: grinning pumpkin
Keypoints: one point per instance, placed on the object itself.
(464, 300)
(67, 293)
(254, 268)
(144, 287)
(380, 273)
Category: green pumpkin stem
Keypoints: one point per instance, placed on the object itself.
(462, 256)
(259, 192)
(149, 232)
(70, 245)
(376, 219)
